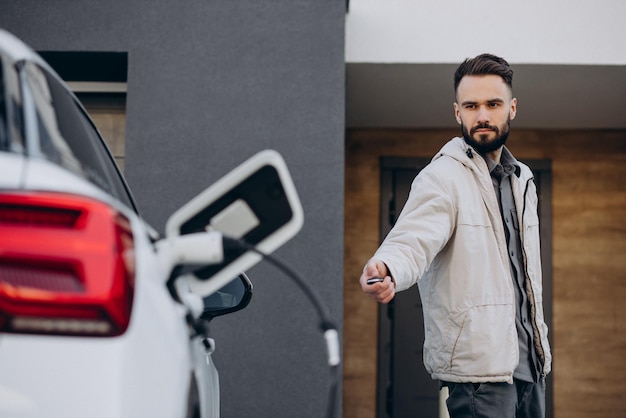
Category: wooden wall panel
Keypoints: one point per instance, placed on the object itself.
(110, 119)
(589, 261)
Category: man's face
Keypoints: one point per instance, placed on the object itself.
(484, 108)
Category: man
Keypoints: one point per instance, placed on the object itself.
(469, 237)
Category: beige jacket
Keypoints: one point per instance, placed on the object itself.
(450, 239)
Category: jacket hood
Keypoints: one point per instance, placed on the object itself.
(458, 149)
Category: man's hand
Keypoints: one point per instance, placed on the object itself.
(382, 291)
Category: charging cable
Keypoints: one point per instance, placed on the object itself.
(331, 336)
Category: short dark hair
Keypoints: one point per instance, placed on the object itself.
(484, 64)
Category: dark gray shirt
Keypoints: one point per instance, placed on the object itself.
(501, 173)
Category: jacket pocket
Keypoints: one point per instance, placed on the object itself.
(468, 216)
(482, 341)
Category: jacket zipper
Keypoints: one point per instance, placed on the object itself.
(537, 333)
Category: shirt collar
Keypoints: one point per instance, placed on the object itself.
(507, 161)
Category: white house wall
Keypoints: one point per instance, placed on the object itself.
(447, 31)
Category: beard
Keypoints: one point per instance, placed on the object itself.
(483, 145)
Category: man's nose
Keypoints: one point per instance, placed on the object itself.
(483, 114)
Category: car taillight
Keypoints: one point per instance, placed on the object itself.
(66, 266)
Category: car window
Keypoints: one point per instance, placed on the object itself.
(67, 136)
(11, 138)
(4, 135)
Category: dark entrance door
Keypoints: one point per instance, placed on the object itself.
(405, 390)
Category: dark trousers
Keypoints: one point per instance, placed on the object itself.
(497, 400)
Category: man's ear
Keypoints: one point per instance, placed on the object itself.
(457, 113)
(513, 110)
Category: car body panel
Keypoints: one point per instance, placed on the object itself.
(110, 376)
(11, 170)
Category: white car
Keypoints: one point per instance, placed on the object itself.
(100, 316)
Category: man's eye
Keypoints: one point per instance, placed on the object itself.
(494, 105)
(470, 106)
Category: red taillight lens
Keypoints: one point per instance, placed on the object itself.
(66, 266)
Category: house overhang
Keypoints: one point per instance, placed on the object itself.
(414, 96)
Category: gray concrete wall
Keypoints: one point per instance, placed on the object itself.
(210, 83)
